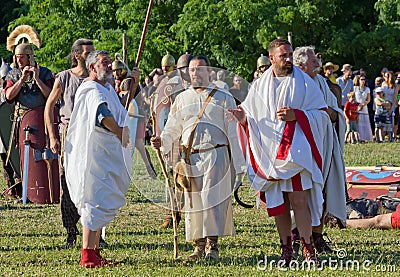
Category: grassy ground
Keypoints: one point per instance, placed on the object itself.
(32, 238)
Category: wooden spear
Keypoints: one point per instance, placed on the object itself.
(146, 22)
(159, 155)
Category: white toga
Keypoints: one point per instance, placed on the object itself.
(97, 166)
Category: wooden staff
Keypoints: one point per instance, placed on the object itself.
(159, 155)
(168, 182)
(124, 49)
(146, 22)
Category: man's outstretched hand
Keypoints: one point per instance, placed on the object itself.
(237, 114)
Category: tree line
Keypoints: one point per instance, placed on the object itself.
(232, 33)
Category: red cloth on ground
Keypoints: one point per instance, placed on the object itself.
(395, 218)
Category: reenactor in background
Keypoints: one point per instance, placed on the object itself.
(263, 63)
(182, 68)
(161, 101)
(183, 83)
(220, 82)
(168, 64)
(161, 98)
(123, 81)
(65, 86)
(239, 89)
(28, 85)
(8, 171)
(120, 74)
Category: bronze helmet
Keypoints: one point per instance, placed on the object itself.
(24, 32)
(184, 60)
(168, 60)
(119, 64)
(263, 60)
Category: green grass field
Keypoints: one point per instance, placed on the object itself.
(32, 238)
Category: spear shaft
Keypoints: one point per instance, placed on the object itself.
(146, 22)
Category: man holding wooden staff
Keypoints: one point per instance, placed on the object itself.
(210, 142)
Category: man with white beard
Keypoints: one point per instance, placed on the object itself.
(97, 156)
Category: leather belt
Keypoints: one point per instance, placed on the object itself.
(195, 151)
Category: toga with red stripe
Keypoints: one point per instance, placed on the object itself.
(286, 156)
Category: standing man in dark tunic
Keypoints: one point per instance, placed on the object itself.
(66, 84)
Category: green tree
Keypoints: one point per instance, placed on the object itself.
(232, 33)
(9, 11)
(225, 31)
(62, 22)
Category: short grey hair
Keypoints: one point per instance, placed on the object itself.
(93, 57)
(300, 54)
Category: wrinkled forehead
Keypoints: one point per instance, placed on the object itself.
(104, 58)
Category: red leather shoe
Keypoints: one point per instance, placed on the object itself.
(287, 252)
(89, 259)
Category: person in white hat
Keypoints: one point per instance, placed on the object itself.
(329, 69)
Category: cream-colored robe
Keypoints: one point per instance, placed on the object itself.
(213, 175)
(97, 167)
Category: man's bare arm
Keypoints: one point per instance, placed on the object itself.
(55, 94)
(13, 91)
(121, 132)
